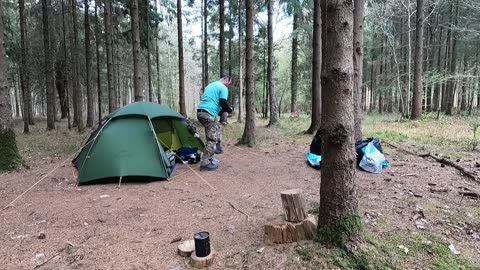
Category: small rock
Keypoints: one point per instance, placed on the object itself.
(260, 250)
(39, 256)
(104, 196)
(453, 249)
(41, 235)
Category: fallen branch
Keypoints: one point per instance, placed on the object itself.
(462, 170)
(234, 207)
(470, 194)
(61, 250)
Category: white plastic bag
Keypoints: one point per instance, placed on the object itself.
(372, 160)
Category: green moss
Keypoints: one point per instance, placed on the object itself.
(340, 231)
(9, 157)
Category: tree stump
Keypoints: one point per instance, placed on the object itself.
(186, 248)
(280, 233)
(293, 205)
(202, 262)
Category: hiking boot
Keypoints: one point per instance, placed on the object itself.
(209, 167)
(218, 149)
(215, 161)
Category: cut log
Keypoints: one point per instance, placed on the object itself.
(291, 232)
(310, 226)
(186, 248)
(293, 205)
(202, 262)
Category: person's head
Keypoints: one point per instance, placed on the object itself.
(226, 80)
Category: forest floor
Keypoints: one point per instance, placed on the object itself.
(103, 226)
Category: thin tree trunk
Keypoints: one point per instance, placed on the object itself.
(417, 88)
(293, 81)
(24, 73)
(97, 45)
(463, 103)
(205, 41)
(112, 105)
(88, 62)
(137, 77)
(66, 100)
(157, 56)
(317, 46)
(358, 66)
(149, 64)
(338, 194)
(240, 65)
(48, 68)
(248, 137)
(451, 85)
(181, 86)
(221, 16)
(271, 69)
(78, 101)
(438, 86)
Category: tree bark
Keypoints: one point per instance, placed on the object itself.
(9, 157)
(453, 64)
(338, 195)
(97, 46)
(112, 105)
(294, 75)
(181, 86)
(358, 66)
(271, 69)
(24, 72)
(149, 64)
(78, 95)
(240, 65)
(205, 41)
(316, 69)
(221, 38)
(137, 77)
(418, 88)
(48, 67)
(157, 56)
(64, 97)
(88, 62)
(438, 86)
(248, 137)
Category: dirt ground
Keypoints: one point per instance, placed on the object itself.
(106, 227)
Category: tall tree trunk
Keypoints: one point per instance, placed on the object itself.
(149, 64)
(271, 69)
(24, 74)
(205, 41)
(417, 88)
(88, 62)
(78, 96)
(65, 100)
(293, 81)
(240, 65)
(453, 64)
(338, 195)
(463, 103)
(48, 67)
(358, 66)
(9, 157)
(232, 96)
(181, 86)
(438, 86)
(157, 60)
(248, 137)
(221, 16)
(97, 45)
(112, 105)
(317, 47)
(137, 77)
(265, 81)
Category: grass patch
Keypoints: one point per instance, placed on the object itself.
(340, 231)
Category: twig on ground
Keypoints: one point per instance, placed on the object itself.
(234, 207)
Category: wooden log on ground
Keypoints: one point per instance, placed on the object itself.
(202, 262)
(186, 248)
(293, 205)
(290, 232)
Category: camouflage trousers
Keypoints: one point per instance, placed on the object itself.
(212, 133)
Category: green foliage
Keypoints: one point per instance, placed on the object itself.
(338, 232)
(9, 157)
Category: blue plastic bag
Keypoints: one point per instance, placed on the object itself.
(373, 160)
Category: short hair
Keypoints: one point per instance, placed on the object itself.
(227, 77)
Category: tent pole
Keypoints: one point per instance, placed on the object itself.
(119, 181)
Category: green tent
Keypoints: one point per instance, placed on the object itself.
(135, 140)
